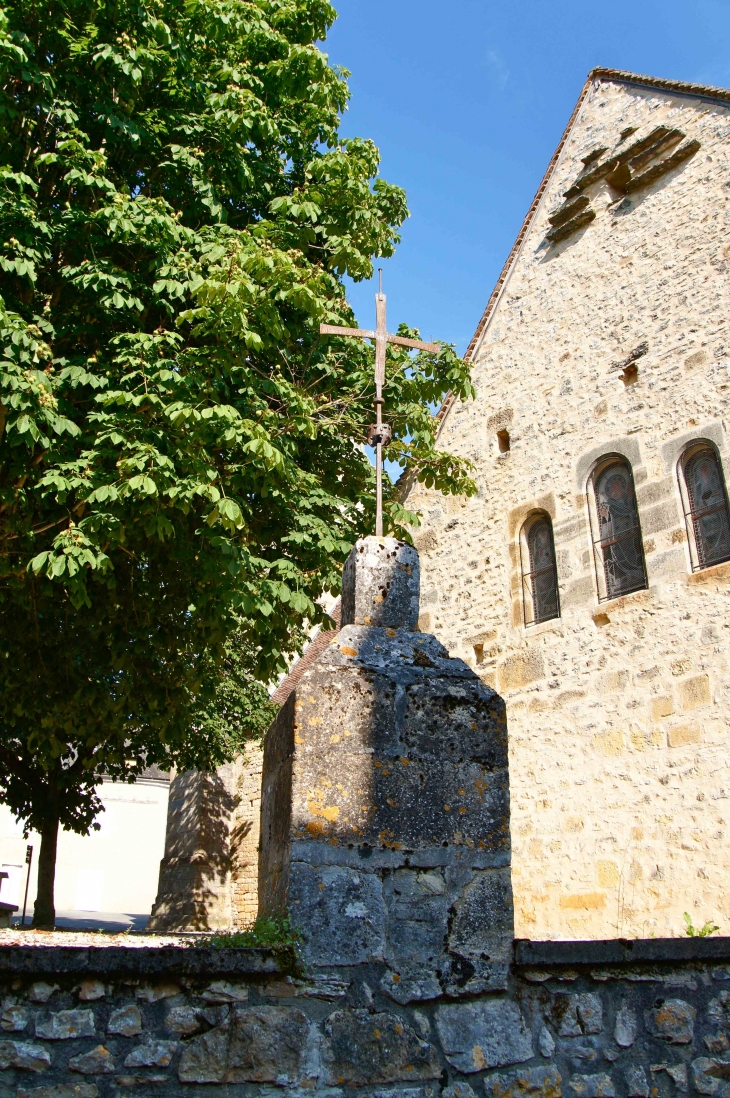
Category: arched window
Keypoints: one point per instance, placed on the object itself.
(541, 601)
(618, 549)
(705, 506)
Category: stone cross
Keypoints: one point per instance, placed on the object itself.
(379, 433)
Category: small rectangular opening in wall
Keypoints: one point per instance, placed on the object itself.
(503, 441)
(479, 653)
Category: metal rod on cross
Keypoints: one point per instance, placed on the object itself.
(379, 434)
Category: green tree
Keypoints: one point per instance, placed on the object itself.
(180, 450)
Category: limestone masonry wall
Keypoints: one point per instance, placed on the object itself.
(584, 1020)
(617, 712)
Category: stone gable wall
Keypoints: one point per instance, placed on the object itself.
(580, 1021)
(617, 712)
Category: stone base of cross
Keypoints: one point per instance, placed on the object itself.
(379, 434)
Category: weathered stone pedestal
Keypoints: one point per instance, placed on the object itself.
(209, 870)
(385, 799)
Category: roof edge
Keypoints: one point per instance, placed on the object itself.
(678, 87)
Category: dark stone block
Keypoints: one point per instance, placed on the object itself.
(257, 1045)
(364, 1049)
(483, 1034)
(671, 1020)
(340, 913)
(267, 1045)
(480, 936)
(538, 1082)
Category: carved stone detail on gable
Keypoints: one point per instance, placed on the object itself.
(636, 166)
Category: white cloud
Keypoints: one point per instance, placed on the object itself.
(498, 71)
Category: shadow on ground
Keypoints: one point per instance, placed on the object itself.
(93, 920)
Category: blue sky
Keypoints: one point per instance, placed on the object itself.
(467, 101)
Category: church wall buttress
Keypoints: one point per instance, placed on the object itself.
(610, 338)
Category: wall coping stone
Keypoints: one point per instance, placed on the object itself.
(206, 961)
(620, 951)
(142, 961)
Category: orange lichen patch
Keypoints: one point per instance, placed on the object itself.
(447, 808)
(347, 651)
(398, 1027)
(481, 788)
(317, 807)
(297, 738)
(478, 1058)
(462, 811)
(585, 901)
(461, 792)
(377, 598)
(390, 633)
(334, 739)
(376, 1034)
(404, 760)
(315, 828)
(388, 841)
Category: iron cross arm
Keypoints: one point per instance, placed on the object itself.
(364, 333)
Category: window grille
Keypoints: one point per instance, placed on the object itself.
(707, 516)
(618, 545)
(541, 600)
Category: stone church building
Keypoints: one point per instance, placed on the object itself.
(588, 580)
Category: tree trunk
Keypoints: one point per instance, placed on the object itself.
(44, 912)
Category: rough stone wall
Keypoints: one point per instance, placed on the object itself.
(617, 712)
(245, 835)
(588, 1030)
(209, 874)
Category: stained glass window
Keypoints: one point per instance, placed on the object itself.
(619, 531)
(543, 576)
(708, 507)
